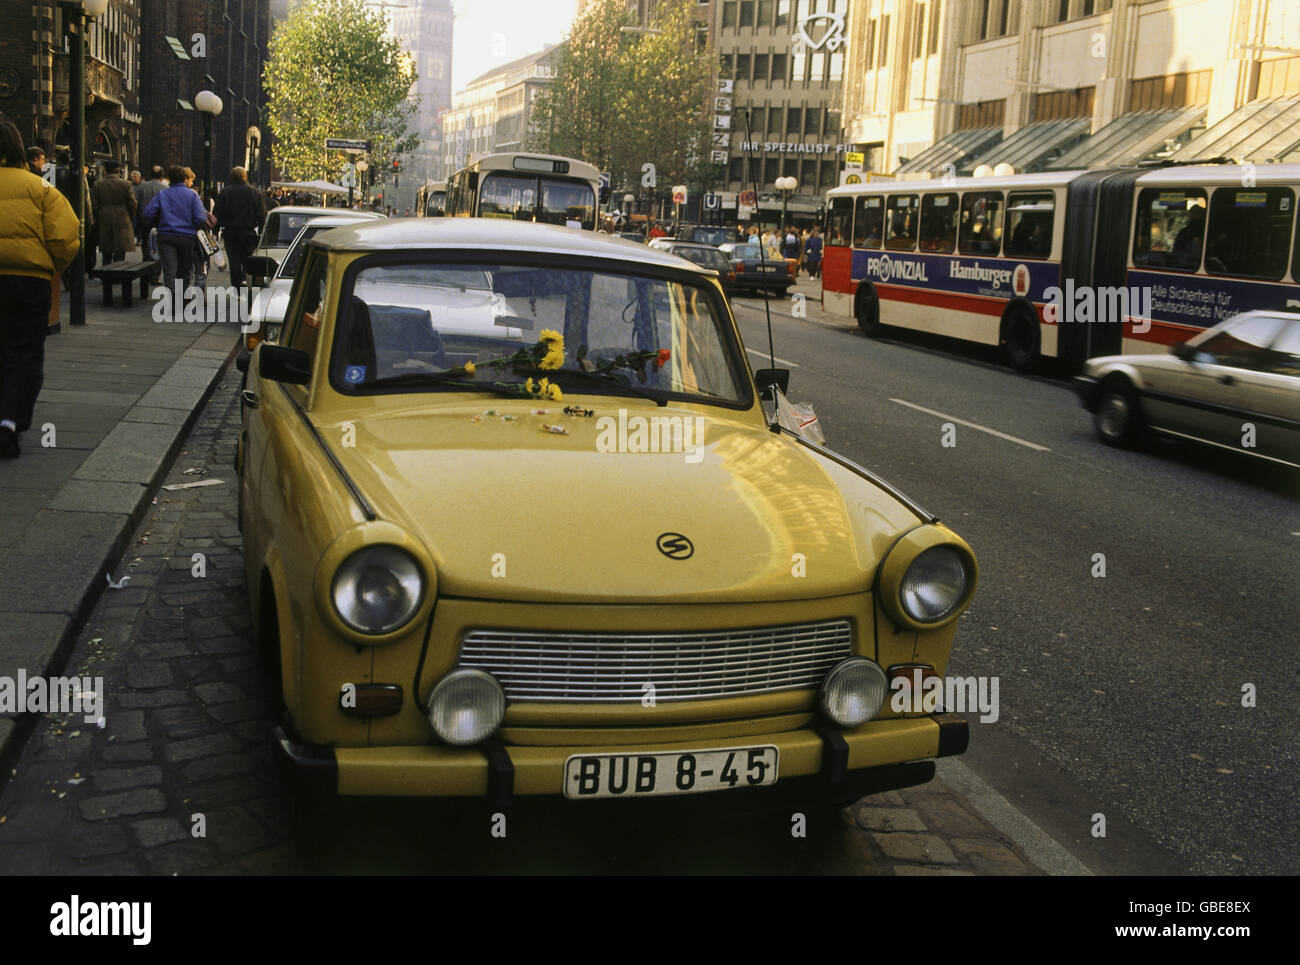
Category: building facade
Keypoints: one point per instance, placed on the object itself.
(425, 28)
(34, 88)
(785, 63)
(495, 110)
(1070, 83)
(190, 46)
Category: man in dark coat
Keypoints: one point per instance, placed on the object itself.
(114, 204)
(240, 212)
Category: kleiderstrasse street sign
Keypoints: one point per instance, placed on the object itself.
(345, 144)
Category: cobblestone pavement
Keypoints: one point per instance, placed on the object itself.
(181, 779)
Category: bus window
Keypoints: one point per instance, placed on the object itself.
(1170, 228)
(508, 196)
(838, 216)
(980, 228)
(900, 216)
(1029, 225)
(1249, 232)
(939, 222)
(563, 203)
(868, 219)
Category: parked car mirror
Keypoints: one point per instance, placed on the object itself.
(280, 364)
(766, 378)
(241, 360)
(261, 266)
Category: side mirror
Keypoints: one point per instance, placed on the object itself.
(766, 378)
(241, 360)
(280, 364)
(261, 266)
(1183, 351)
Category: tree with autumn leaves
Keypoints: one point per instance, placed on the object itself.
(335, 71)
(625, 98)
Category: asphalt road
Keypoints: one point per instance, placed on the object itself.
(1120, 695)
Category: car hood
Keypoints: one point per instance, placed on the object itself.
(512, 511)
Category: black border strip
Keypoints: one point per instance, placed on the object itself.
(366, 508)
(1220, 409)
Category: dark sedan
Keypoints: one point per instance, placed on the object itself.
(706, 256)
(755, 273)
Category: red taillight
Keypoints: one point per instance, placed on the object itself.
(793, 265)
(740, 266)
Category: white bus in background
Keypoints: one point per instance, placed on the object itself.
(526, 187)
(1067, 265)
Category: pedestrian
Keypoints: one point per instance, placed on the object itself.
(790, 248)
(201, 257)
(144, 193)
(754, 239)
(658, 231)
(812, 253)
(240, 213)
(180, 215)
(36, 161)
(113, 202)
(772, 243)
(39, 237)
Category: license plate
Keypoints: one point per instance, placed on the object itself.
(592, 776)
(769, 267)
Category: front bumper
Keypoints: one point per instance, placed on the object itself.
(827, 764)
(1085, 386)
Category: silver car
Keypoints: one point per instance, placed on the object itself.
(269, 306)
(1235, 386)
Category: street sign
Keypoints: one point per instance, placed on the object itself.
(345, 144)
(726, 86)
(712, 202)
(604, 179)
(679, 195)
(748, 198)
(852, 177)
(718, 157)
(722, 122)
(853, 160)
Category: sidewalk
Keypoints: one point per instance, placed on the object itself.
(120, 394)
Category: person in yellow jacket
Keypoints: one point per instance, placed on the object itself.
(39, 237)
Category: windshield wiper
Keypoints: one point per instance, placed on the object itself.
(454, 379)
(600, 378)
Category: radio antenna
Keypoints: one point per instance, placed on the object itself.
(762, 249)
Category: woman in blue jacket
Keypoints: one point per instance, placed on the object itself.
(180, 215)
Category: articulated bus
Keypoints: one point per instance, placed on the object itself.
(431, 200)
(526, 187)
(1067, 265)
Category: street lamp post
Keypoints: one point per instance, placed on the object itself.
(79, 14)
(209, 105)
(361, 167)
(629, 200)
(787, 186)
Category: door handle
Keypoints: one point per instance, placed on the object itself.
(249, 399)
(1228, 380)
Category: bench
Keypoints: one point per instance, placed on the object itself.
(124, 273)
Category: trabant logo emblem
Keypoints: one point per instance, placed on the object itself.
(675, 546)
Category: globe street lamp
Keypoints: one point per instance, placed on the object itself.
(361, 167)
(787, 186)
(78, 15)
(209, 105)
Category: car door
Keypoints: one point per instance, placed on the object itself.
(1272, 390)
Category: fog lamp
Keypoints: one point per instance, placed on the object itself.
(466, 707)
(853, 692)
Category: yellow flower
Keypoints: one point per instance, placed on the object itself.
(555, 394)
(553, 359)
(469, 368)
(530, 386)
(552, 338)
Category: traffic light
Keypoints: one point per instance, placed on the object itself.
(397, 166)
(604, 194)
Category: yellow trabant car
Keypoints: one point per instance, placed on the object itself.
(516, 524)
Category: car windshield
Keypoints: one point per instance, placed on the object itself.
(430, 319)
(741, 252)
(705, 257)
(712, 236)
(282, 228)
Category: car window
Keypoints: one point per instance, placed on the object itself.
(1170, 229)
(307, 304)
(980, 230)
(282, 228)
(1029, 225)
(706, 257)
(1284, 353)
(1249, 231)
(742, 252)
(901, 218)
(1243, 344)
(294, 257)
(939, 222)
(433, 317)
(868, 219)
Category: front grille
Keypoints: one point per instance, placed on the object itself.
(615, 667)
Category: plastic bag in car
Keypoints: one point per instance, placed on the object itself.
(799, 417)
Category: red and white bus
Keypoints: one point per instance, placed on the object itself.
(1067, 265)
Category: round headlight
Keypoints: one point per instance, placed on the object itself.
(853, 692)
(377, 589)
(934, 584)
(466, 707)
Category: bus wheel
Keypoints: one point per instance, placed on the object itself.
(1020, 339)
(1118, 418)
(869, 314)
